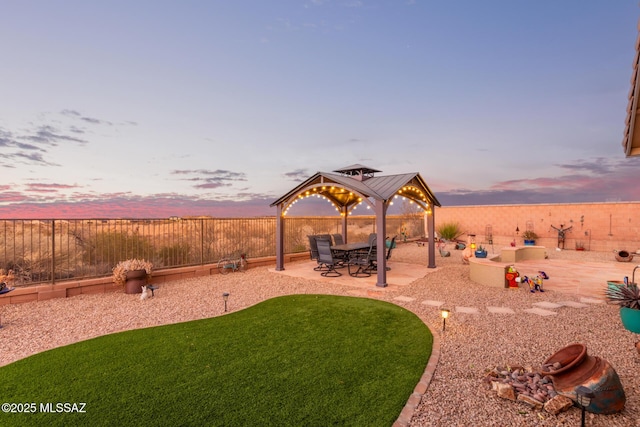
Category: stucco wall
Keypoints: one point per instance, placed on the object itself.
(601, 226)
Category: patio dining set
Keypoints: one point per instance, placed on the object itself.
(332, 254)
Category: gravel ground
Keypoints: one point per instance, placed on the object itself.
(471, 345)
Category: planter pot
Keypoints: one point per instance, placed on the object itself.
(136, 279)
(529, 242)
(481, 254)
(630, 319)
(623, 256)
(581, 369)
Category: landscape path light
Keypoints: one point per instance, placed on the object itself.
(225, 297)
(444, 313)
(584, 396)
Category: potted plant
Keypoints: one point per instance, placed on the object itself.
(132, 273)
(481, 252)
(627, 296)
(579, 245)
(529, 237)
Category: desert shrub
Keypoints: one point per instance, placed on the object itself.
(299, 248)
(111, 247)
(177, 254)
(449, 230)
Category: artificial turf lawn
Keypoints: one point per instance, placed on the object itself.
(312, 360)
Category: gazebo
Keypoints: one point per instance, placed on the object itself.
(348, 187)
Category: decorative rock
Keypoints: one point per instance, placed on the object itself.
(505, 391)
(540, 397)
(558, 404)
(534, 403)
(521, 384)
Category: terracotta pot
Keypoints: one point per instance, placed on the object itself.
(580, 369)
(624, 256)
(136, 279)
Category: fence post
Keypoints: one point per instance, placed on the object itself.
(201, 241)
(53, 251)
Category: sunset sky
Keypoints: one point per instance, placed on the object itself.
(159, 108)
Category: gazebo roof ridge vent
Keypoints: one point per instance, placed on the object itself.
(357, 171)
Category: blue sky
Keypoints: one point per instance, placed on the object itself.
(158, 108)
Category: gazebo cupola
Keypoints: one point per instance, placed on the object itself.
(359, 172)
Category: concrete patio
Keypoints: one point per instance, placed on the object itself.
(575, 277)
(401, 274)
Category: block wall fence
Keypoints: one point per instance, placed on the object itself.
(599, 226)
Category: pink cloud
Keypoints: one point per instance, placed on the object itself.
(137, 207)
(48, 187)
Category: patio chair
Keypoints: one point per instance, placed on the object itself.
(337, 239)
(326, 259)
(372, 238)
(313, 250)
(313, 247)
(361, 263)
(391, 245)
(324, 237)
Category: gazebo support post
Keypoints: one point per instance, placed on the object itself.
(279, 238)
(344, 223)
(381, 230)
(431, 224)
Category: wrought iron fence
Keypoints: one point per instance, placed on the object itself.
(63, 249)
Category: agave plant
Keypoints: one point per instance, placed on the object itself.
(625, 295)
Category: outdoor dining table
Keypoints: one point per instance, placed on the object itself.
(347, 248)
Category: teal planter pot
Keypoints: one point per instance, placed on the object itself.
(528, 242)
(630, 319)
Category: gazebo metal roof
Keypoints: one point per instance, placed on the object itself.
(349, 186)
(631, 137)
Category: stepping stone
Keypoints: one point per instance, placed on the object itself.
(546, 304)
(433, 303)
(500, 310)
(574, 304)
(592, 301)
(404, 299)
(540, 311)
(469, 310)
